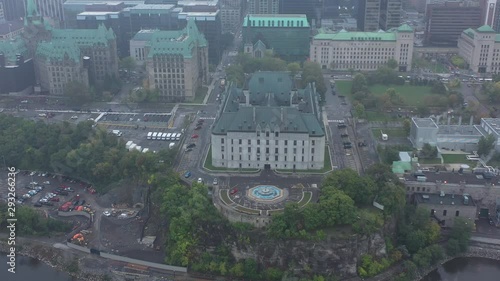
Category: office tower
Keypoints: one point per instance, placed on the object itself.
(263, 6)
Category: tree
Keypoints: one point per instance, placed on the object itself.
(128, 63)
(462, 231)
(294, 68)
(234, 73)
(77, 92)
(359, 188)
(359, 110)
(359, 84)
(458, 61)
(368, 222)
(407, 126)
(438, 88)
(393, 197)
(423, 111)
(428, 151)
(485, 145)
(392, 63)
(311, 72)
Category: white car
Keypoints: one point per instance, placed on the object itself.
(46, 182)
(74, 117)
(200, 180)
(106, 213)
(215, 182)
(32, 173)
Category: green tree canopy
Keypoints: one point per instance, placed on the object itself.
(359, 84)
(77, 93)
(360, 189)
(485, 145)
(128, 63)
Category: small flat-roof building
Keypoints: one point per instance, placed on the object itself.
(423, 130)
(346, 50)
(445, 208)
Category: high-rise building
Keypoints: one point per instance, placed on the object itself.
(329, 9)
(52, 9)
(13, 9)
(270, 123)
(311, 8)
(378, 14)
(286, 35)
(446, 21)
(263, 6)
(230, 15)
(176, 61)
(2, 15)
(365, 51)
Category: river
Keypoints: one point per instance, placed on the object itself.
(466, 269)
(29, 269)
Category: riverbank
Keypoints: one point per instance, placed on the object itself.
(62, 259)
(473, 252)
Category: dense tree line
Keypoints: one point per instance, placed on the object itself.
(31, 222)
(84, 152)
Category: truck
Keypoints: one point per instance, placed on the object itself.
(128, 144)
(150, 134)
(65, 207)
(222, 83)
(155, 135)
(169, 136)
(171, 145)
(132, 147)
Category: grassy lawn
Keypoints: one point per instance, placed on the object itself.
(391, 132)
(411, 95)
(375, 116)
(208, 165)
(457, 159)
(247, 210)
(201, 92)
(225, 197)
(429, 161)
(326, 168)
(307, 197)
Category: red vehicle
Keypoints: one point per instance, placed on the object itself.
(65, 207)
(55, 199)
(234, 191)
(194, 136)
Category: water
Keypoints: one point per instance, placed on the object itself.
(466, 269)
(29, 269)
(266, 192)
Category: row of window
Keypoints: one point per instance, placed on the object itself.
(276, 158)
(240, 141)
(276, 150)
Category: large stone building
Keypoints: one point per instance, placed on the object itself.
(287, 35)
(269, 124)
(480, 48)
(2, 15)
(445, 208)
(345, 50)
(446, 21)
(176, 61)
(65, 55)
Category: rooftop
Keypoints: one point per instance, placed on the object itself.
(493, 124)
(10, 26)
(198, 3)
(272, 103)
(444, 199)
(424, 123)
(462, 130)
(155, 8)
(105, 13)
(405, 28)
(485, 28)
(144, 35)
(82, 37)
(58, 50)
(185, 15)
(276, 20)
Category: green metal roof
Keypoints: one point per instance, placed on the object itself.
(405, 28)
(144, 35)
(485, 28)
(179, 42)
(84, 37)
(10, 48)
(31, 9)
(357, 36)
(58, 50)
(497, 38)
(276, 20)
(470, 32)
(270, 96)
(399, 167)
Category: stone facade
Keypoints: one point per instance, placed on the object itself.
(480, 48)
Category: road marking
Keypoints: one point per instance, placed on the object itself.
(336, 121)
(207, 118)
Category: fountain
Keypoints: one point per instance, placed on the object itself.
(265, 192)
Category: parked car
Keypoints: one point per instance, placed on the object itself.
(197, 127)
(106, 213)
(38, 204)
(188, 149)
(187, 174)
(83, 202)
(46, 182)
(215, 182)
(191, 145)
(234, 191)
(344, 135)
(200, 180)
(54, 199)
(195, 136)
(48, 203)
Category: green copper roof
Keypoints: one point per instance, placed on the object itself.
(10, 48)
(144, 35)
(276, 20)
(470, 32)
(31, 9)
(405, 28)
(58, 50)
(82, 37)
(497, 38)
(485, 28)
(273, 105)
(357, 36)
(180, 42)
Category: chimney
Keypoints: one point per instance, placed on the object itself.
(460, 120)
(471, 120)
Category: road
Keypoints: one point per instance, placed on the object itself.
(468, 93)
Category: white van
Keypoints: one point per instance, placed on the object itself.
(155, 135)
(150, 134)
(169, 136)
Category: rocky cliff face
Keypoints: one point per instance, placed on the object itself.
(332, 256)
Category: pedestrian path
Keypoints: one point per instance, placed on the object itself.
(485, 240)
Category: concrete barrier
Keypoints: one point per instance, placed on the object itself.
(73, 213)
(79, 248)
